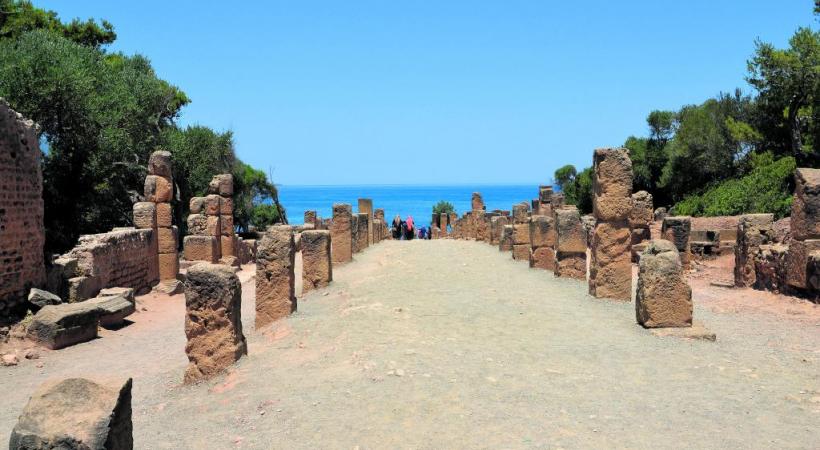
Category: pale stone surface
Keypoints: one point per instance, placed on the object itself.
(168, 266)
(165, 215)
(521, 252)
(641, 214)
(160, 163)
(113, 309)
(37, 298)
(341, 233)
(167, 239)
(317, 270)
(520, 213)
(521, 233)
(663, 297)
(275, 278)
(213, 320)
(76, 413)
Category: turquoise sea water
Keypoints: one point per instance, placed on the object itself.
(417, 201)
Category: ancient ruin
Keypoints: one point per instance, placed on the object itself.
(753, 230)
(275, 278)
(341, 233)
(213, 320)
(317, 269)
(542, 241)
(570, 244)
(677, 229)
(663, 297)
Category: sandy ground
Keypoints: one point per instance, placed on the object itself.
(451, 344)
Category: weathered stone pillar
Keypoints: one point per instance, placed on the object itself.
(76, 413)
(544, 201)
(366, 207)
(310, 218)
(159, 189)
(379, 215)
(610, 271)
(213, 320)
(571, 244)
(362, 231)
(640, 219)
(22, 234)
(203, 242)
(506, 242)
(497, 224)
(676, 229)
(802, 256)
(521, 241)
(222, 185)
(480, 227)
(542, 240)
(317, 270)
(275, 278)
(444, 218)
(663, 297)
(753, 230)
(341, 233)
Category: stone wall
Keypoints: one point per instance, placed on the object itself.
(21, 211)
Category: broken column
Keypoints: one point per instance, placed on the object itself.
(571, 243)
(497, 224)
(317, 270)
(753, 231)
(542, 242)
(610, 269)
(506, 242)
(521, 232)
(640, 219)
(663, 297)
(479, 226)
(805, 230)
(76, 413)
(443, 220)
(213, 320)
(544, 201)
(676, 229)
(275, 279)
(362, 231)
(366, 207)
(379, 215)
(222, 185)
(341, 234)
(22, 233)
(203, 242)
(159, 189)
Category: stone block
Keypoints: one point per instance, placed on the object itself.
(158, 189)
(642, 214)
(165, 215)
(76, 413)
(341, 233)
(571, 265)
(82, 288)
(769, 268)
(226, 225)
(310, 217)
(521, 252)
(275, 279)
(542, 231)
(805, 217)
(221, 185)
(753, 230)
(521, 233)
(520, 213)
(570, 236)
(543, 258)
(676, 229)
(477, 203)
(317, 269)
(168, 266)
(59, 326)
(201, 248)
(213, 320)
(124, 292)
(610, 269)
(212, 205)
(167, 239)
(611, 184)
(145, 215)
(663, 298)
(197, 205)
(113, 309)
(226, 207)
(160, 164)
(198, 224)
(227, 246)
(545, 194)
(506, 242)
(363, 231)
(797, 262)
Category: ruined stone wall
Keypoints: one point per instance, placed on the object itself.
(21, 210)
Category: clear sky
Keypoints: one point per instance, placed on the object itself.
(442, 92)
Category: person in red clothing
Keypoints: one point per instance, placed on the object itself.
(411, 229)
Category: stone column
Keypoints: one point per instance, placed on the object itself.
(610, 271)
(444, 218)
(366, 207)
(222, 185)
(159, 189)
(362, 231)
(203, 242)
(275, 278)
(545, 201)
(542, 241)
(379, 215)
(497, 224)
(804, 250)
(676, 229)
(641, 217)
(341, 233)
(310, 218)
(753, 231)
(317, 270)
(571, 243)
(213, 320)
(506, 242)
(480, 228)
(663, 297)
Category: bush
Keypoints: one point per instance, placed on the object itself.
(766, 189)
(264, 215)
(443, 207)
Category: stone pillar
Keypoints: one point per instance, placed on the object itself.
(317, 270)
(159, 189)
(663, 297)
(442, 223)
(506, 242)
(753, 230)
(366, 207)
(203, 242)
(76, 413)
(310, 218)
(521, 241)
(275, 278)
(545, 201)
(362, 231)
(610, 271)
(641, 217)
(676, 229)
(497, 224)
(542, 241)
(802, 256)
(22, 233)
(379, 215)
(222, 185)
(213, 320)
(571, 244)
(479, 226)
(341, 233)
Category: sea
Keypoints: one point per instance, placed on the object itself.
(416, 201)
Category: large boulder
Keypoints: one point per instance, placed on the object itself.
(663, 298)
(76, 414)
(213, 320)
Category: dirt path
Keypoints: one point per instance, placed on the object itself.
(450, 344)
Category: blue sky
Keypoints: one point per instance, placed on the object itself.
(432, 92)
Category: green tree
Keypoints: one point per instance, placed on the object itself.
(18, 17)
(265, 214)
(788, 81)
(253, 192)
(576, 186)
